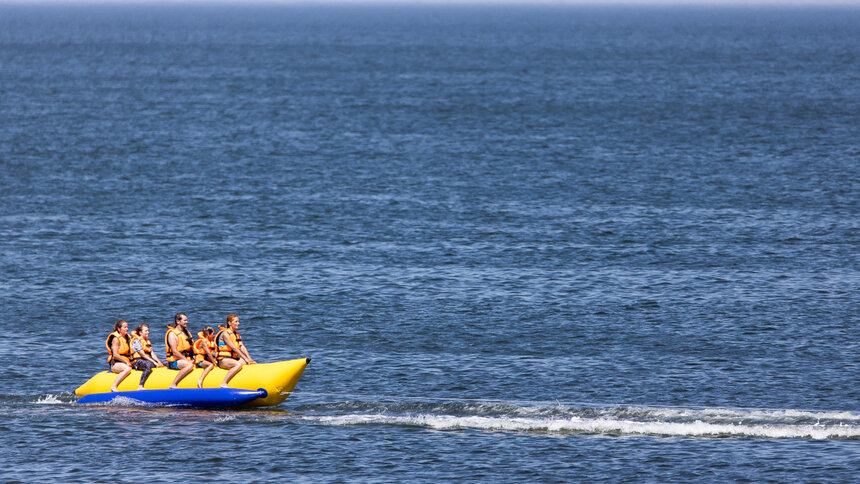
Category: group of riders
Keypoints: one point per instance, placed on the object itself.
(133, 351)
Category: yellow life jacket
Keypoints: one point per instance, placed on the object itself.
(199, 347)
(184, 343)
(224, 350)
(145, 344)
(124, 347)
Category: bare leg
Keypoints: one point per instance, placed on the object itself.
(185, 367)
(207, 367)
(123, 371)
(234, 366)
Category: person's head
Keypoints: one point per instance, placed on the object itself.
(180, 320)
(121, 327)
(233, 321)
(208, 332)
(142, 330)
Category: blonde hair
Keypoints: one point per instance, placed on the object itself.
(232, 317)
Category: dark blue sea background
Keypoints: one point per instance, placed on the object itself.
(519, 243)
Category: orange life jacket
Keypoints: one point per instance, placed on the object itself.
(184, 343)
(199, 347)
(224, 350)
(145, 344)
(124, 347)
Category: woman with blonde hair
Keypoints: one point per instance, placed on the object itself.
(232, 354)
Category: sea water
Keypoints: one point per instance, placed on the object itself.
(519, 243)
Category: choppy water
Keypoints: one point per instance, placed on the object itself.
(519, 243)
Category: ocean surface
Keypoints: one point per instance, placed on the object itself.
(520, 244)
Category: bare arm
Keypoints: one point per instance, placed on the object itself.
(210, 356)
(240, 350)
(154, 359)
(244, 352)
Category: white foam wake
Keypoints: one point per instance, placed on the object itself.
(602, 425)
(755, 414)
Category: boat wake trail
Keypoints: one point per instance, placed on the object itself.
(561, 419)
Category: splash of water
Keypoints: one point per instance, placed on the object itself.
(49, 400)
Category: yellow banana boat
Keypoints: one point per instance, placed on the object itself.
(278, 379)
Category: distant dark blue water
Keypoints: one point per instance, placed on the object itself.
(520, 244)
